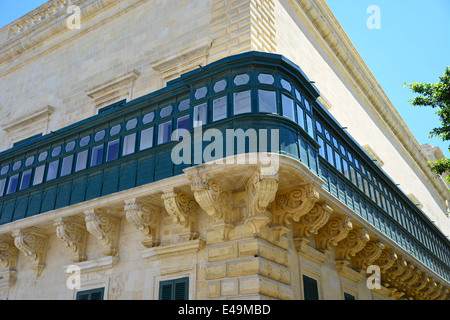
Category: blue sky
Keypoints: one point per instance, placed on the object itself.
(413, 44)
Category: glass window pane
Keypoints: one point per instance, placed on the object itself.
(288, 107)
(70, 146)
(184, 105)
(52, 172)
(241, 79)
(199, 115)
(13, 182)
(220, 86)
(5, 170)
(300, 116)
(67, 166)
(220, 108)
(165, 112)
(85, 141)
(266, 78)
(81, 160)
(201, 93)
(29, 161)
(56, 152)
(2, 186)
(112, 152)
(39, 175)
(242, 102)
(26, 179)
(165, 132)
(307, 105)
(330, 154)
(146, 139)
(286, 85)
(17, 165)
(267, 101)
(183, 123)
(115, 130)
(149, 117)
(131, 124)
(129, 144)
(322, 146)
(99, 135)
(338, 161)
(309, 124)
(97, 155)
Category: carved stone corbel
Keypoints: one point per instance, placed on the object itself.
(216, 201)
(74, 235)
(34, 246)
(429, 289)
(396, 270)
(259, 193)
(371, 252)
(438, 290)
(352, 244)
(145, 218)
(334, 231)
(311, 222)
(386, 259)
(105, 228)
(183, 209)
(8, 255)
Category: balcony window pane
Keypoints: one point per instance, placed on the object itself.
(199, 115)
(81, 160)
(85, 141)
(330, 154)
(288, 107)
(2, 186)
(113, 150)
(100, 135)
(165, 132)
(167, 111)
(220, 108)
(184, 105)
(201, 93)
(146, 139)
(56, 152)
(149, 117)
(129, 144)
(338, 161)
(97, 155)
(307, 105)
(13, 182)
(52, 172)
(131, 124)
(286, 85)
(17, 165)
(5, 170)
(67, 166)
(267, 101)
(322, 146)
(115, 130)
(241, 79)
(29, 161)
(39, 175)
(182, 123)
(70, 146)
(242, 102)
(26, 179)
(220, 86)
(266, 78)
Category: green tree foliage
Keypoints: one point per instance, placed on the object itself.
(436, 96)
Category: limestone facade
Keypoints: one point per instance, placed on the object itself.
(234, 235)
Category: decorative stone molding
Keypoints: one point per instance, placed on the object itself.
(8, 254)
(105, 228)
(145, 218)
(296, 203)
(311, 222)
(173, 65)
(352, 244)
(183, 209)
(34, 246)
(114, 90)
(260, 192)
(334, 231)
(161, 252)
(96, 265)
(215, 201)
(373, 155)
(371, 252)
(74, 235)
